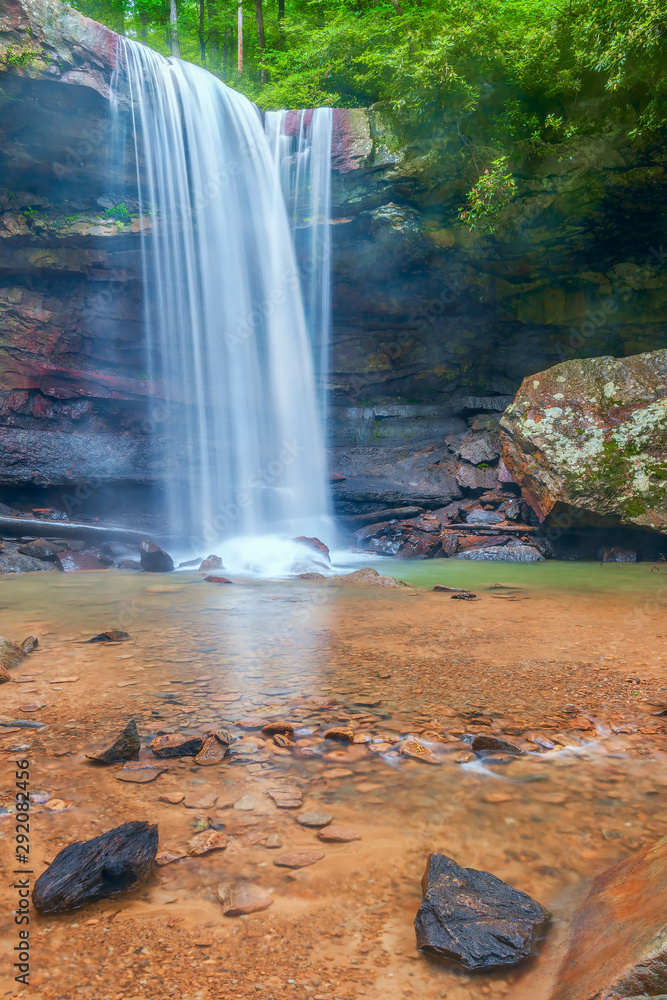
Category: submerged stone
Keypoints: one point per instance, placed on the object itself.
(176, 745)
(473, 918)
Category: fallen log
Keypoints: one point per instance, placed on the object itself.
(19, 526)
(117, 861)
(396, 513)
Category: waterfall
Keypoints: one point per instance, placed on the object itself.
(301, 146)
(228, 333)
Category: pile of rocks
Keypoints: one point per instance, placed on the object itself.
(498, 526)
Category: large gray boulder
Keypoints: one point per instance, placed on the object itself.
(593, 434)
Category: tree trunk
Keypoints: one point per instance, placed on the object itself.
(261, 39)
(281, 14)
(143, 34)
(225, 54)
(240, 39)
(202, 38)
(173, 29)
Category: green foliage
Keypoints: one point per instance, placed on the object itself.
(529, 71)
(494, 189)
(119, 213)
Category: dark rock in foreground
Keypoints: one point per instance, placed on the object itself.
(117, 861)
(618, 943)
(125, 748)
(154, 559)
(473, 918)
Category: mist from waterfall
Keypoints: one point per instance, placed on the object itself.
(230, 343)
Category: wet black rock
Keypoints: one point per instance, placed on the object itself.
(474, 919)
(154, 559)
(117, 861)
(126, 747)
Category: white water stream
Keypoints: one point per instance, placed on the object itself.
(229, 338)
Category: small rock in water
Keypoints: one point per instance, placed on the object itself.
(176, 745)
(189, 562)
(278, 728)
(208, 840)
(30, 644)
(173, 798)
(473, 918)
(417, 751)
(286, 797)
(154, 559)
(163, 858)
(450, 590)
(493, 744)
(246, 803)
(73, 562)
(129, 564)
(344, 734)
(239, 900)
(139, 772)
(214, 749)
(465, 595)
(11, 654)
(126, 747)
(111, 635)
(310, 576)
(217, 579)
(298, 859)
(273, 841)
(338, 835)
(314, 819)
(117, 861)
(314, 543)
(195, 800)
(211, 562)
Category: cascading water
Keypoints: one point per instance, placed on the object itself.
(301, 146)
(228, 334)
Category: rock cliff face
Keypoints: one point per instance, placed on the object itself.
(435, 324)
(593, 434)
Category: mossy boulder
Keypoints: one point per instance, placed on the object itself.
(593, 434)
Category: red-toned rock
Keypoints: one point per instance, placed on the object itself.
(314, 543)
(72, 562)
(211, 562)
(217, 579)
(618, 943)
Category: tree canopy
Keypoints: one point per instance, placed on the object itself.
(545, 60)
